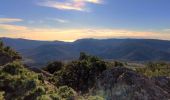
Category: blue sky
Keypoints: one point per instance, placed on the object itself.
(69, 20)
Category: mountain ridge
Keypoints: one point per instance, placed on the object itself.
(117, 49)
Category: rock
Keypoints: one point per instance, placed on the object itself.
(163, 82)
(124, 84)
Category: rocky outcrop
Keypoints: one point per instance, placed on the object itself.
(124, 84)
(163, 82)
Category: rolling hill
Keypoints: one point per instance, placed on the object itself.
(42, 52)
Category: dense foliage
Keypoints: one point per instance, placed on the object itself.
(81, 74)
(53, 67)
(17, 82)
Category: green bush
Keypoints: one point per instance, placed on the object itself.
(13, 68)
(81, 74)
(2, 95)
(55, 97)
(54, 67)
(66, 92)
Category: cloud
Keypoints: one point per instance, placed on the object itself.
(166, 30)
(61, 20)
(8, 27)
(74, 34)
(90, 1)
(58, 20)
(64, 5)
(77, 5)
(10, 20)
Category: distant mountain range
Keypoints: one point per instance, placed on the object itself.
(42, 52)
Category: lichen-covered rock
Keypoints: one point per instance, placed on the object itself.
(124, 84)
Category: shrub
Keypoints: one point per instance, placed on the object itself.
(13, 68)
(55, 97)
(81, 74)
(2, 95)
(66, 92)
(54, 67)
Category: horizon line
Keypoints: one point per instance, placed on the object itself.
(70, 41)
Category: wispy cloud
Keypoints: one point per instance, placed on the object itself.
(60, 20)
(10, 28)
(6, 26)
(78, 5)
(166, 30)
(90, 1)
(10, 20)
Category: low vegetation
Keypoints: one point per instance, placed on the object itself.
(155, 69)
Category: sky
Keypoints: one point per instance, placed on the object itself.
(69, 20)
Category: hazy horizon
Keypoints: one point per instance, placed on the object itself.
(69, 20)
(86, 38)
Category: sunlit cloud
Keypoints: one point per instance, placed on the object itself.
(10, 28)
(78, 5)
(64, 5)
(10, 20)
(74, 34)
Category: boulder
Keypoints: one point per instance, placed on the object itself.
(124, 84)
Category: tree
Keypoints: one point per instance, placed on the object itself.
(7, 49)
(81, 74)
(83, 56)
(54, 67)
